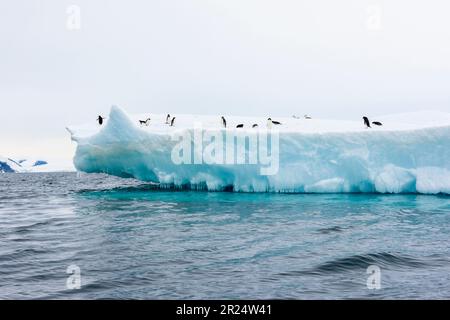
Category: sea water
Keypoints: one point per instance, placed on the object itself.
(72, 236)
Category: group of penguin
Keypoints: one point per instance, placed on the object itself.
(171, 121)
(270, 123)
(146, 122)
(367, 122)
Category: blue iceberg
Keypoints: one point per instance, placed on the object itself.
(406, 155)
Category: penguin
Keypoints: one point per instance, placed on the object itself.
(167, 118)
(307, 117)
(270, 122)
(377, 123)
(240, 126)
(366, 122)
(255, 125)
(295, 117)
(146, 122)
(224, 122)
(172, 122)
(100, 120)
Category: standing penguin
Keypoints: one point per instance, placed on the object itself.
(167, 118)
(100, 120)
(224, 122)
(366, 122)
(172, 122)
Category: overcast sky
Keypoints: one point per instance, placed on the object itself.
(332, 59)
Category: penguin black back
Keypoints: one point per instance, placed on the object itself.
(172, 122)
(145, 122)
(224, 122)
(240, 125)
(100, 120)
(377, 123)
(366, 122)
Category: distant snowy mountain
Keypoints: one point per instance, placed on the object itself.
(8, 165)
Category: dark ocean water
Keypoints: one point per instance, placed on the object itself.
(130, 241)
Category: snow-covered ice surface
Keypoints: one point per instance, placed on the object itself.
(410, 153)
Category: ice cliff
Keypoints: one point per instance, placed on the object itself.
(408, 154)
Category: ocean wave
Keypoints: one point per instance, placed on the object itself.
(355, 262)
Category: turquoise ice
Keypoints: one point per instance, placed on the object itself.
(409, 154)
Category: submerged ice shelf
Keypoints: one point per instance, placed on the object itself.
(409, 154)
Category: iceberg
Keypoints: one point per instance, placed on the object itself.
(410, 153)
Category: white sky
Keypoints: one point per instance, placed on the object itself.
(328, 58)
